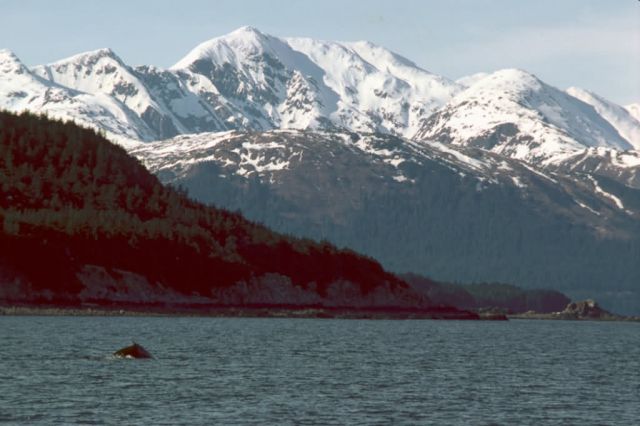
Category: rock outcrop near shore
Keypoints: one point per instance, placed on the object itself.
(585, 309)
(580, 310)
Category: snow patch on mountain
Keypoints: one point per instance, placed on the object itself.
(606, 194)
(473, 163)
(621, 159)
(586, 207)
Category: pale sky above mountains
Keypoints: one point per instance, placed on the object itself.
(593, 44)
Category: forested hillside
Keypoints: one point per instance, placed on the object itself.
(77, 210)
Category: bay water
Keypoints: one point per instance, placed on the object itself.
(59, 370)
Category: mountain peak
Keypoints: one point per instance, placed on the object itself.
(10, 63)
(7, 53)
(513, 113)
(245, 36)
(245, 41)
(247, 29)
(510, 83)
(90, 57)
(510, 76)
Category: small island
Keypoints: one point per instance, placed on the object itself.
(581, 310)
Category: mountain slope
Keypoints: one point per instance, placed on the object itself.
(626, 124)
(192, 101)
(83, 221)
(513, 113)
(452, 213)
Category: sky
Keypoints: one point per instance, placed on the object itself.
(593, 44)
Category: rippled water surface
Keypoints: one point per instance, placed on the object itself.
(58, 370)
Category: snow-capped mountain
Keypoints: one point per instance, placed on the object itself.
(247, 80)
(303, 83)
(163, 101)
(513, 113)
(102, 72)
(20, 90)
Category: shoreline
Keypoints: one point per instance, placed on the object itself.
(287, 312)
(242, 312)
(566, 317)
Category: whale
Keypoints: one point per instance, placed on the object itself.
(133, 351)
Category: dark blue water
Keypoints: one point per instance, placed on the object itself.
(58, 370)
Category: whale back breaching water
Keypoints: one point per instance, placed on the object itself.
(133, 351)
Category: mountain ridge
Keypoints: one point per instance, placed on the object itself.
(358, 95)
(514, 113)
(259, 123)
(249, 80)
